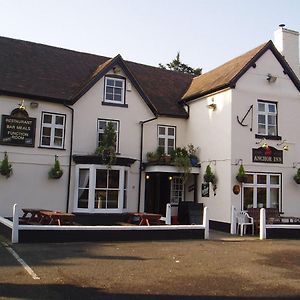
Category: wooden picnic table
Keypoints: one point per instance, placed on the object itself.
(52, 217)
(145, 218)
(32, 214)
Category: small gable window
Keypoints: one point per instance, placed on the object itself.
(114, 90)
(267, 118)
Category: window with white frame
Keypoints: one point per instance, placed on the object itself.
(102, 123)
(114, 90)
(52, 130)
(267, 118)
(100, 189)
(262, 190)
(166, 138)
(177, 190)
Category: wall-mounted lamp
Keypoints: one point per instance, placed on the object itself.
(238, 161)
(212, 105)
(34, 104)
(22, 105)
(271, 78)
(263, 143)
(295, 164)
(284, 144)
(170, 178)
(147, 177)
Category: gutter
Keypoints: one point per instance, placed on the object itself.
(70, 155)
(141, 160)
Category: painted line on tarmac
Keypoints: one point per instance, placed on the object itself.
(21, 261)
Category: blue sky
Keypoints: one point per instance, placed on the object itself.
(206, 32)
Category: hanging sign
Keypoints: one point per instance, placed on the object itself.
(269, 155)
(17, 131)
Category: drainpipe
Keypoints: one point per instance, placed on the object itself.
(70, 155)
(141, 159)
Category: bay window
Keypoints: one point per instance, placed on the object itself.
(100, 189)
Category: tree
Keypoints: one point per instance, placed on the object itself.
(177, 65)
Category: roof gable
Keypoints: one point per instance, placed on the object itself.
(227, 75)
(54, 74)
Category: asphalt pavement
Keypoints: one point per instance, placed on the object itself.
(226, 267)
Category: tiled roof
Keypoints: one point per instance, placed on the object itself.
(54, 74)
(227, 75)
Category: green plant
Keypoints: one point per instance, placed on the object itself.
(156, 157)
(107, 147)
(241, 176)
(209, 176)
(55, 172)
(5, 166)
(297, 177)
(180, 158)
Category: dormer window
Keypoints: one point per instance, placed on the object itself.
(114, 91)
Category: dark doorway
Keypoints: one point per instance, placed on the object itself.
(157, 192)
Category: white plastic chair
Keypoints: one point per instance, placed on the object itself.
(243, 219)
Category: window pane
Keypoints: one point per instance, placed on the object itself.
(58, 132)
(59, 120)
(161, 142)
(249, 178)
(47, 118)
(272, 120)
(83, 198)
(101, 178)
(261, 179)
(110, 82)
(58, 141)
(171, 131)
(117, 97)
(261, 129)
(100, 199)
(161, 130)
(84, 178)
(109, 90)
(274, 179)
(101, 125)
(47, 131)
(118, 91)
(261, 107)
(112, 199)
(248, 197)
(113, 179)
(261, 197)
(171, 143)
(274, 198)
(272, 130)
(118, 83)
(272, 108)
(262, 119)
(109, 96)
(46, 141)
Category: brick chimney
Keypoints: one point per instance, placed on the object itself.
(287, 43)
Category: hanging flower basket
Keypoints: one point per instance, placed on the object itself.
(241, 176)
(5, 166)
(55, 172)
(209, 176)
(297, 177)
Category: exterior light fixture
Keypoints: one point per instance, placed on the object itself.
(22, 105)
(212, 105)
(34, 104)
(170, 178)
(147, 177)
(284, 144)
(263, 143)
(271, 78)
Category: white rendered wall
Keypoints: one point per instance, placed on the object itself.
(29, 185)
(251, 87)
(211, 131)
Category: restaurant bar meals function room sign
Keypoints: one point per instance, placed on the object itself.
(17, 131)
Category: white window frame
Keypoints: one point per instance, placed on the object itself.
(52, 127)
(92, 188)
(117, 122)
(177, 181)
(122, 90)
(268, 186)
(266, 113)
(166, 137)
